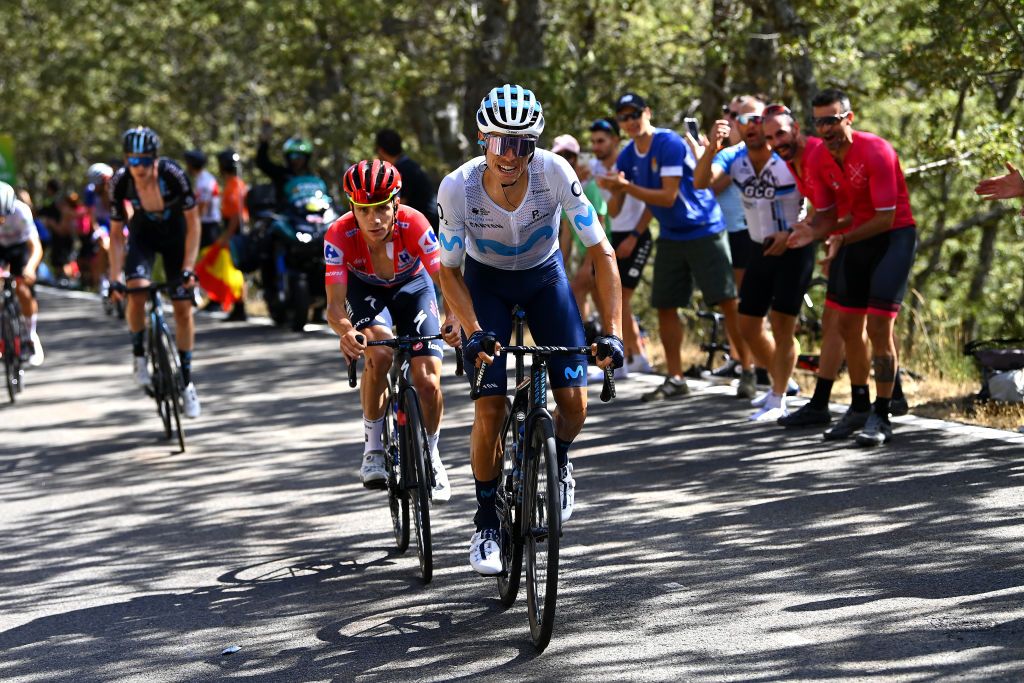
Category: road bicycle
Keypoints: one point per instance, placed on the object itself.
(15, 342)
(528, 499)
(406, 454)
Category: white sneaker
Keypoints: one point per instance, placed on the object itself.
(192, 406)
(769, 414)
(594, 374)
(485, 552)
(639, 363)
(567, 490)
(442, 489)
(372, 473)
(760, 400)
(36, 359)
(619, 373)
(142, 377)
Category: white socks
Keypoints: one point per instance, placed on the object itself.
(373, 435)
(432, 444)
(772, 408)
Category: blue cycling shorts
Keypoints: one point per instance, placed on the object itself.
(543, 292)
(412, 304)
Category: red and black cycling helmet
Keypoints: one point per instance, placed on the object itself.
(370, 183)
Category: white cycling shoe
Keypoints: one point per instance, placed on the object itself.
(485, 552)
(142, 377)
(567, 492)
(36, 359)
(191, 399)
(442, 489)
(372, 472)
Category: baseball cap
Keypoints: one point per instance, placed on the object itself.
(566, 143)
(608, 125)
(630, 99)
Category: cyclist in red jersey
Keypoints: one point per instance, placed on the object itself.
(870, 264)
(380, 259)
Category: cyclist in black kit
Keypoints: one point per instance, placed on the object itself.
(163, 219)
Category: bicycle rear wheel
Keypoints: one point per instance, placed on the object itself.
(398, 498)
(541, 512)
(12, 357)
(509, 513)
(414, 456)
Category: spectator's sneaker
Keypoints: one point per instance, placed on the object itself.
(761, 400)
(639, 363)
(595, 375)
(670, 388)
(729, 370)
(372, 472)
(792, 388)
(567, 491)
(191, 399)
(747, 388)
(142, 377)
(850, 422)
(877, 431)
(36, 359)
(442, 489)
(899, 407)
(806, 416)
(237, 315)
(485, 552)
(618, 373)
(769, 414)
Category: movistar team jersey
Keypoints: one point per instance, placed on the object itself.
(771, 201)
(471, 222)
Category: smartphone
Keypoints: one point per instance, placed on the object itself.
(692, 128)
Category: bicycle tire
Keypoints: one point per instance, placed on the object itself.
(509, 513)
(541, 511)
(176, 384)
(398, 501)
(11, 359)
(414, 453)
(157, 377)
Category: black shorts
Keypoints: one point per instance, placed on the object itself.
(411, 306)
(871, 276)
(777, 283)
(16, 257)
(209, 232)
(632, 267)
(148, 238)
(742, 249)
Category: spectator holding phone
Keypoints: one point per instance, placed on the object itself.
(776, 277)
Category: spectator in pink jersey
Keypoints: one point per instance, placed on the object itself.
(870, 264)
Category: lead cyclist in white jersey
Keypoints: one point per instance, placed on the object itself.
(499, 215)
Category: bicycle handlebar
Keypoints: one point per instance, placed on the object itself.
(396, 343)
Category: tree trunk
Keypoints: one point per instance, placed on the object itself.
(802, 68)
(762, 54)
(487, 51)
(529, 27)
(715, 88)
(986, 254)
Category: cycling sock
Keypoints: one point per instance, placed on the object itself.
(186, 366)
(373, 435)
(139, 343)
(32, 324)
(822, 392)
(897, 389)
(861, 398)
(882, 407)
(562, 451)
(486, 512)
(432, 442)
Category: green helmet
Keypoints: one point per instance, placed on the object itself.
(298, 145)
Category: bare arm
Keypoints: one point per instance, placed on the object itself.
(458, 300)
(116, 250)
(192, 233)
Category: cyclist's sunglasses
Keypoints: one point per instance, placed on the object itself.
(824, 121)
(744, 119)
(630, 116)
(145, 161)
(776, 109)
(500, 144)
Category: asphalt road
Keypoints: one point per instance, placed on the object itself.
(702, 548)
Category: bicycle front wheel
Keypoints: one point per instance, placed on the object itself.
(398, 498)
(414, 456)
(541, 514)
(510, 511)
(172, 401)
(12, 358)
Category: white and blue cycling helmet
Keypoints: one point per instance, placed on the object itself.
(510, 110)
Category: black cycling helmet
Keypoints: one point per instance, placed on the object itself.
(141, 140)
(228, 161)
(195, 158)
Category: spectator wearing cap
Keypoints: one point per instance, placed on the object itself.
(207, 193)
(657, 167)
(234, 213)
(418, 191)
(630, 237)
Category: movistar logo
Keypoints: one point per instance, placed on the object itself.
(581, 221)
(574, 373)
(449, 245)
(507, 250)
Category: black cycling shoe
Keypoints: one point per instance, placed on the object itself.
(851, 421)
(805, 416)
(877, 431)
(898, 407)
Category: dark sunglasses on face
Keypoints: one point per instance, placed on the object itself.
(744, 119)
(824, 121)
(731, 113)
(631, 116)
(500, 144)
(145, 162)
(775, 109)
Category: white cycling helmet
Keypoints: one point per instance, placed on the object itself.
(7, 199)
(510, 110)
(99, 172)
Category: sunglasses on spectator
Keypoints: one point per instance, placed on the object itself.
(145, 162)
(601, 124)
(631, 116)
(731, 113)
(776, 109)
(823, 121)
(500, 144)
(744, 119)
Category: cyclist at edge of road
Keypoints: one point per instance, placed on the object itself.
(381, 258)
(22, 251)
(499, 214)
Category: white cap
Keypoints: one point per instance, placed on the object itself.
(566, 143)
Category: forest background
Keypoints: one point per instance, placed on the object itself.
(941, 79)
